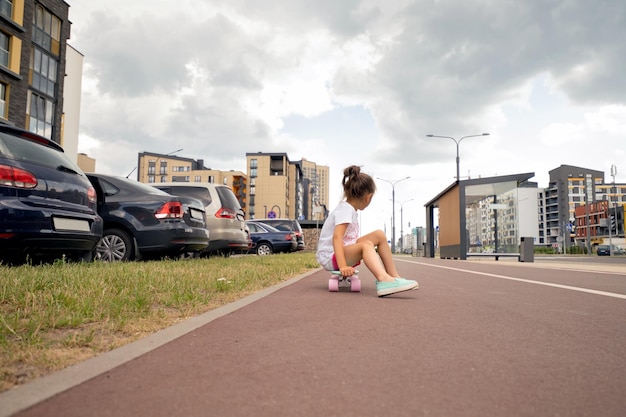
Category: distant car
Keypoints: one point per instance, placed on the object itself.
(287, 224)
(603, 250)
(267, 239)
(47, 204)
(224, 215)
(142, 222)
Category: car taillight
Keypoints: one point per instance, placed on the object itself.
(170, 210)
(289, 236)
(15, 177)
(91, 195)
(225, 213)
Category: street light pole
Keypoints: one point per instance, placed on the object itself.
(393, 210)
(457, 142)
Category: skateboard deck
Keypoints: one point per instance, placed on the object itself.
(336, 280)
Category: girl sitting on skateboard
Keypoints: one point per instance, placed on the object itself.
(341, 249)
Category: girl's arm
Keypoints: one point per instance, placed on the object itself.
(339, 232)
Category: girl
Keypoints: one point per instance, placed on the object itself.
(341, 249)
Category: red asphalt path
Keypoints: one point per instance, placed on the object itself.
(477, 339)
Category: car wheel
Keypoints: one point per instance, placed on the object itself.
(264, 249)
(115, 245)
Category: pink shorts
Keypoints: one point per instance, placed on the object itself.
(336, 267)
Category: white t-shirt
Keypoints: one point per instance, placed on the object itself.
(343, 213)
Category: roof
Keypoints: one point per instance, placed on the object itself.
(478, 189)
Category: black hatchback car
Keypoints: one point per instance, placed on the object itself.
(267, 239)
(287, 225)
(47, 204)
(142, 222)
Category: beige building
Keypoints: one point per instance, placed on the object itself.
(280, 188)
(86, 163)
(154, 168)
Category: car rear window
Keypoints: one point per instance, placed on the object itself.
(26, 150)
(286, 225)
(199, 193)
(228, 199)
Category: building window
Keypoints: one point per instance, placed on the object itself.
(3, 101)
(4, 49)
(254, 163)
(253, 172)
(41, 111)
(163, 168)
(210, 179)
(43, 72)
(47, 30)
(6, 8)
(197, 178)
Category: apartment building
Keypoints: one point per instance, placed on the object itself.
(316, 193)
(154, 168)
(279, 187)
(33, 46)
(569, 189)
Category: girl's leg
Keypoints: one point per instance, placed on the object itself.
(379, 240)
(365, 250)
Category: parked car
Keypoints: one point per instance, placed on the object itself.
(47, 205)
(142, 222)
(287, 225)
(267, 239)
(224, 216)
(603, 250)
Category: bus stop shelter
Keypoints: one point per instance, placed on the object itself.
(452, 234)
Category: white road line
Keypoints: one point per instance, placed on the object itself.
(528, 281)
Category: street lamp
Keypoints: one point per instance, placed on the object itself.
(458, 177)
(393, 210)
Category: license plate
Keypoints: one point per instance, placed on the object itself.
(61, 223)
(196, 214)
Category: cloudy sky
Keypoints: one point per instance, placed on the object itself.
(358, 82)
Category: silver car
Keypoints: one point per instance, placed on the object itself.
(224, 215)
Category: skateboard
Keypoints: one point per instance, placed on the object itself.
(336, 279)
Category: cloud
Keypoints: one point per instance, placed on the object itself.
(227, 77)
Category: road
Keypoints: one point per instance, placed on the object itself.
(479, 338)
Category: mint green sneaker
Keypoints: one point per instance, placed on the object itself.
(409, 281)
(392, 287)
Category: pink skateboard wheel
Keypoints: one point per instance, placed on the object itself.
(355, 284)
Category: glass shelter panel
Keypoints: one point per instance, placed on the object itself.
(492, 218)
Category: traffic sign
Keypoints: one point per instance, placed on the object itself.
(271, 215)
